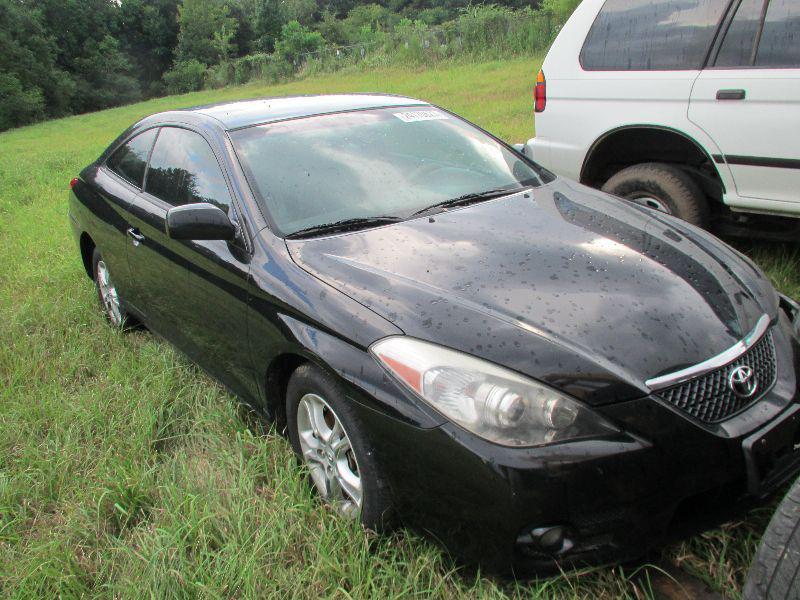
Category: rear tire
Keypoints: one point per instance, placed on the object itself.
(775, 572)
(346, 474)
(662, 187)
(107, 294)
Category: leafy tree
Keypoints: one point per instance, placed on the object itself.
(297, 39)
(332, 29)
(88, 50)
(28, 61)
(302, 11)
(103, 76)
(148, 36)
(206, 31)
(268, 22)
(244, 39)
(18, 106)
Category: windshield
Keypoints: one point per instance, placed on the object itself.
(393, 163)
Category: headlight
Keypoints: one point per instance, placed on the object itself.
(488, 400)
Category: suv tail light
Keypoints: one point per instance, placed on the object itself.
(540, 92)
(73, 182)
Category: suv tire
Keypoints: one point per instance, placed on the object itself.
(775, 572)
(662, 187)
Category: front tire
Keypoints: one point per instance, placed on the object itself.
(662, 187)
(107, 293)
(328, 438)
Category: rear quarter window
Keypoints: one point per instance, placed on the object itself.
(652, 35)
(130, 159)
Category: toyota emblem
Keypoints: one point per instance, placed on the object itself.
(743, 382)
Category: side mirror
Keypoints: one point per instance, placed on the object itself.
(519, 148)
(200, 221)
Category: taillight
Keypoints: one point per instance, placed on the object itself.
(540, 92)
(73, 183)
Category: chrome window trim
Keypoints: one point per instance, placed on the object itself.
(714, 363)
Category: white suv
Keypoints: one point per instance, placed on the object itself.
(684, 105)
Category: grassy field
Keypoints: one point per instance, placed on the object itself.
(126, 472)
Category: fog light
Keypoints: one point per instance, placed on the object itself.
(552, 540)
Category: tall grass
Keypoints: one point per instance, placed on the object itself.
(125, 472)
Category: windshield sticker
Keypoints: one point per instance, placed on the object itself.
(421, 115)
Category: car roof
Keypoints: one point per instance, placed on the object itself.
(245, 113)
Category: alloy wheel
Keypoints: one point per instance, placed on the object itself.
(329, 455)
(108, 295)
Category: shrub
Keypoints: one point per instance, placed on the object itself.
(185, 76)
(297, 40)
(17, 105)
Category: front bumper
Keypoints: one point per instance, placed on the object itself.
(614, 497)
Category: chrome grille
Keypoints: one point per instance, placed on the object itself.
(710, 399)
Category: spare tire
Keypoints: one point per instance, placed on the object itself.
(775, 572)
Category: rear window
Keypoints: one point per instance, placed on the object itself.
(652, 35)
(130, 159)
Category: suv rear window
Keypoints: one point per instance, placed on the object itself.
(652, 35)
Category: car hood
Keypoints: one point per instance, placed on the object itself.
(566, 284)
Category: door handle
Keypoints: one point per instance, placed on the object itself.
(731, 94)
(136, 237)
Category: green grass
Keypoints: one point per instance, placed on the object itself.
(126, 472)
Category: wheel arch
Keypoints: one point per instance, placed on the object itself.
(87, 247)
(363, 379)
(622, 147)
(276, 379)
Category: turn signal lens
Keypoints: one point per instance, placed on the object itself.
(540, 92)
(490, 401)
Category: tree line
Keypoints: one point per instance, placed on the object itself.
(60, 57)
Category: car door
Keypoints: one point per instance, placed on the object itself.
(748, 102)
(214, 309)
(158, 264)
(118, 182)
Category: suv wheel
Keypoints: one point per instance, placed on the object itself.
(661, 187)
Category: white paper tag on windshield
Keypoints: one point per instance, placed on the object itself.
(412, 116)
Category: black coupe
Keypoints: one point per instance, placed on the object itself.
(534, 371)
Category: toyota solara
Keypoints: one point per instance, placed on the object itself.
(452, 337)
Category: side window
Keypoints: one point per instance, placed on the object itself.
(130, 159)
(764, 33)
(651, 35)
(780, 40)
(737, 47)
(183, 169)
